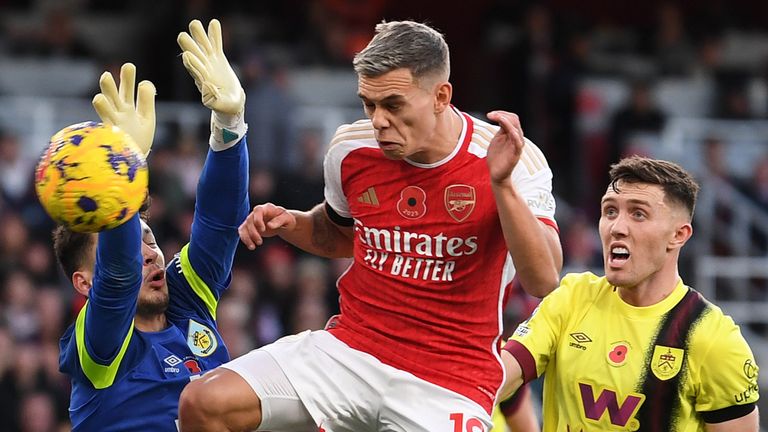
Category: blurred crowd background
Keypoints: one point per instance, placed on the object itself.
(591, 80)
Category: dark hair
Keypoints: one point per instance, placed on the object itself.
(678, 185)
(404, 44)
(72, 249)
(144, 209)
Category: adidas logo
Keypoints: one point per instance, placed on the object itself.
(369, 197)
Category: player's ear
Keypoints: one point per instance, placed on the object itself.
(682, 234)
(82, 281)
(443, 94)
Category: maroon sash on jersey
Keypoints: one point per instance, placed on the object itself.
(662, 397)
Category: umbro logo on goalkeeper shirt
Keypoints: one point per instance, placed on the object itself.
(172, 361)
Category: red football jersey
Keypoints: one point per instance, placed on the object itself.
(431, 270)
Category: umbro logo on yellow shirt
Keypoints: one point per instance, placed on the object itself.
(579, 338)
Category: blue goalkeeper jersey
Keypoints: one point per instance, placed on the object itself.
(124, 379)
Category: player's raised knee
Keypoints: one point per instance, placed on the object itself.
(219, 401)
(199, 406)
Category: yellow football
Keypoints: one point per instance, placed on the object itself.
(91, 177)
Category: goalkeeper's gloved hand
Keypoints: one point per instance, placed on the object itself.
(204, 58)
(117, 107)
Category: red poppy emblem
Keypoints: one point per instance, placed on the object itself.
(413, 202)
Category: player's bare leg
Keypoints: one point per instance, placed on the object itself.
(220, 401)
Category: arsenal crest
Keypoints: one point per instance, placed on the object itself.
(459, 201)
(666, 362)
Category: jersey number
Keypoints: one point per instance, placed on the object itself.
(472, 424)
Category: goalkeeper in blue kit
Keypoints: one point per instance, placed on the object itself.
(149, 328)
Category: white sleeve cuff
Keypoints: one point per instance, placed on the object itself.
(226, 130)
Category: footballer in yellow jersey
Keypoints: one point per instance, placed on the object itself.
(611, 366)
(637, 350)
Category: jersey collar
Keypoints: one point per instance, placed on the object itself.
(651, 311)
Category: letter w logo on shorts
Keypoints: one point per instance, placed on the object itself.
(619, 415)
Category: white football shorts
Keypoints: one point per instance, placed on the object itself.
(314, 378)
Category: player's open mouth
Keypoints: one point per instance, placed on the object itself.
(156, 278)
(619, 255)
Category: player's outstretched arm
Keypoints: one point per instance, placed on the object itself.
(220, 89)
(222, 191)
(104, 326)
(534, 246)
(311, 231)
(116, 106)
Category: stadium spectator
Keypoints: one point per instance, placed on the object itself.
(637, 342)
(639, 115)
(9, 396)
(19, 306)
(732, 101)
(37, 260)
(148, 329)
(37, 413)
(581, 244)
(440, 211)
(673, 50)
(270, 110)
(56, 37)
(303, 188)
(15, 169)
(757, 188)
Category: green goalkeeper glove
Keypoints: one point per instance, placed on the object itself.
(204, 58)
(117, 108)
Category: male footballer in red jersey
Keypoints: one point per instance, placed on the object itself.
(440, 211)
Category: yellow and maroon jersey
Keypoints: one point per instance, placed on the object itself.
(610, 366)
(431, 269)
